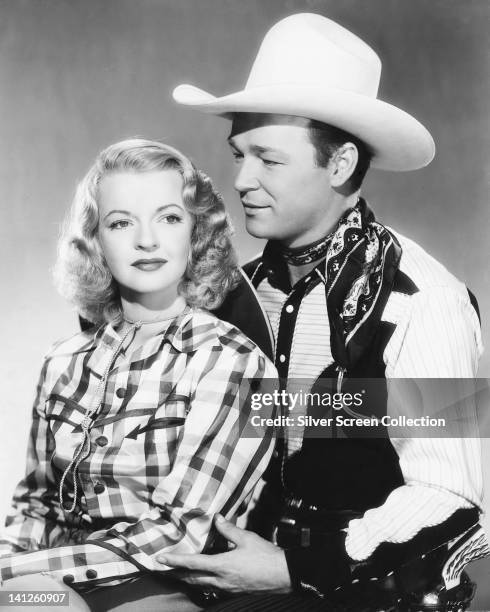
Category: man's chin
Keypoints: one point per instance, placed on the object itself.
(259, 229)
(265, 231)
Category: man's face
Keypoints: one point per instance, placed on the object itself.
(284, 193)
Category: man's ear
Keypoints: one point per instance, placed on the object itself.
(343, 164)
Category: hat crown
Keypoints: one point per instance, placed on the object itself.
(309, 66)
(309, 49)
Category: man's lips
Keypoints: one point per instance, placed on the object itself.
(148, 265)
(253, 206)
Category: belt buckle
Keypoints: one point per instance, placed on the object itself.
(302, 531)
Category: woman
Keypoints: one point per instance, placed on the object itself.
(135, 442)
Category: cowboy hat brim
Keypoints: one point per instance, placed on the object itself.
(398, 141)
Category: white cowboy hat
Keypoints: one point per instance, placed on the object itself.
(312, 67)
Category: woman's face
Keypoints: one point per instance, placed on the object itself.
(145, 233)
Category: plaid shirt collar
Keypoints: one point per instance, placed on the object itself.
(186, 333)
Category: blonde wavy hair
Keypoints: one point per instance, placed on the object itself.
(81, 273)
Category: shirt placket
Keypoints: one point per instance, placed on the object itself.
(97, 483)
(288, 321)
(102, 363)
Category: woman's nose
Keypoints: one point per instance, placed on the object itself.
(147, 238)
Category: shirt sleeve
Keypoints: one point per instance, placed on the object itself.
(35, 520)
(440, 339)
(215, 470)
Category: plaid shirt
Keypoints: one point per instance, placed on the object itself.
(150, 484)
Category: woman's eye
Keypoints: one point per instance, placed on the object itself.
(237, 156)
(121, 224)
(172, 219)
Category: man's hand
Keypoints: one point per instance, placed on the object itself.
(253, 565)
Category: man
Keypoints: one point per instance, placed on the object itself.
(355, 523)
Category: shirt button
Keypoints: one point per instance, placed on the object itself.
(99, 488)
(91, 573)
(102, 441)
(282, 358)
(68, 579)
(289, 308)
(254, 384)
(121, 392)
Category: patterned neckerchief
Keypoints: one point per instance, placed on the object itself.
(360, 265)
(301, 256)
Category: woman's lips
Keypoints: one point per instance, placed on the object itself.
(149, 265)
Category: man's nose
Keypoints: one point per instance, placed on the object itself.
(146, 237)
(246, 178)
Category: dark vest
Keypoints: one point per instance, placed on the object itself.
(351, 470)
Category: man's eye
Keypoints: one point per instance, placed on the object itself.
(121, 224)
(270, 162)
(237, 156)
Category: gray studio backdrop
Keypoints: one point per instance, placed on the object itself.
(78, 75)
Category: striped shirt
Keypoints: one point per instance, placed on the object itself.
(437, 335)
(166, 451)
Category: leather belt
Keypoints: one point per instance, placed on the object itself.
(301, 523)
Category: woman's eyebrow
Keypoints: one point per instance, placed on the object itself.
(130, 214)
(121, 212)
(165, 206)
